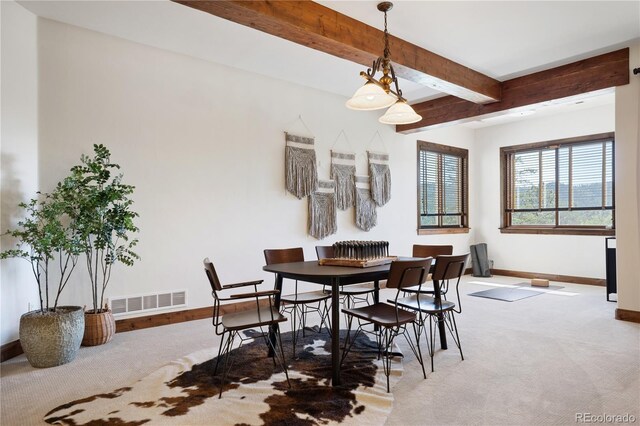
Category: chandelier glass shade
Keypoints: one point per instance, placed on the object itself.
(378, 93)
(370, 97)
(400, 113)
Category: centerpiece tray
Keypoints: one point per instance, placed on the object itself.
(357, 263)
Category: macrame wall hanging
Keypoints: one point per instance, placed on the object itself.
(380, 177)
(300, 165)
(343, 172)
(366, 216)
(322, 210)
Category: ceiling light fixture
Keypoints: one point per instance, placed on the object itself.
(377, 94)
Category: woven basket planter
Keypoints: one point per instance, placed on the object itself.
(99, 328)
(51, 338)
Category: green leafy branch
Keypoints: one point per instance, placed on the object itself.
(47, 234)
(102, 211)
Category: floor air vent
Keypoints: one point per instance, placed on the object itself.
(148, 302)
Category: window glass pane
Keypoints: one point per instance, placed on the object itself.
(428, 221)
(431, 182)
(428, 181)
(609, 174)
(586, 218)
(527, 180)
(451, 187)
(422, 193)
(451, 220)
(563, 177)
(586, 175)
(533, 218)
(548, 165)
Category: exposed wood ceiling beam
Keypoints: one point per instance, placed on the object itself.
(318, 27)
(596, 73)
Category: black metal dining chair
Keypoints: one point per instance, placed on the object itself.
(420, 250)
(230, 325)
(350, 294)
(391, 320)
(299, 304)
(436, 307)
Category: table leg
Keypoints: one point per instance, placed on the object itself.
(335, 331)
(376, 299)
(274, 328)
(442, 330)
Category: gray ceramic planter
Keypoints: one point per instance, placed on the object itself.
(52, 338)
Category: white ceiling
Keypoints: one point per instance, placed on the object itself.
(506, 39)
(498, 38)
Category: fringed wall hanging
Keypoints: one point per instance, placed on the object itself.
(366, 215)
(322, 210)
(300, 165)
(343, 172)
(380, 177)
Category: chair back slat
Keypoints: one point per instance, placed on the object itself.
(325, 252)
(211, 275)
(408, 273)
(275, 256)
(431, 251)
(448, 267)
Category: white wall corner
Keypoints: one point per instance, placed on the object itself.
(19, 149)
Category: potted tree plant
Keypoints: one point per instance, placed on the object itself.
(101, 208)
(46, 238)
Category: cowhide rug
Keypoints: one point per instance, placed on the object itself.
(185, 392)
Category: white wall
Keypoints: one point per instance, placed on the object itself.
(581, 256)
(19, 147)
(628, 188)
(204, 146)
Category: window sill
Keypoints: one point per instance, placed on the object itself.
(558, 231)
(432, 231)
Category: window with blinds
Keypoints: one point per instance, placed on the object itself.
(560, 184)
(442, 186)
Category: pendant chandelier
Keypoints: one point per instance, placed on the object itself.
(378, 94)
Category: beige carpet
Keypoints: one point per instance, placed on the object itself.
(540, 360)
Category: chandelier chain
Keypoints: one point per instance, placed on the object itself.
(387, 54)
(378, 93)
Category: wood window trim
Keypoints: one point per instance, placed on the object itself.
(434, 231)
(449, 150)
(557, 231)
(442, 149)
(549, 230)
(537, 145)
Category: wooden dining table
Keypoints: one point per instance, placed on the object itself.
(336, 277)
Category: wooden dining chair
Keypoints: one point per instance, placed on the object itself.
(299, 304)
(420, 250)
(229, 325)
(350, 294)
(390, 320)
(438, 309)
